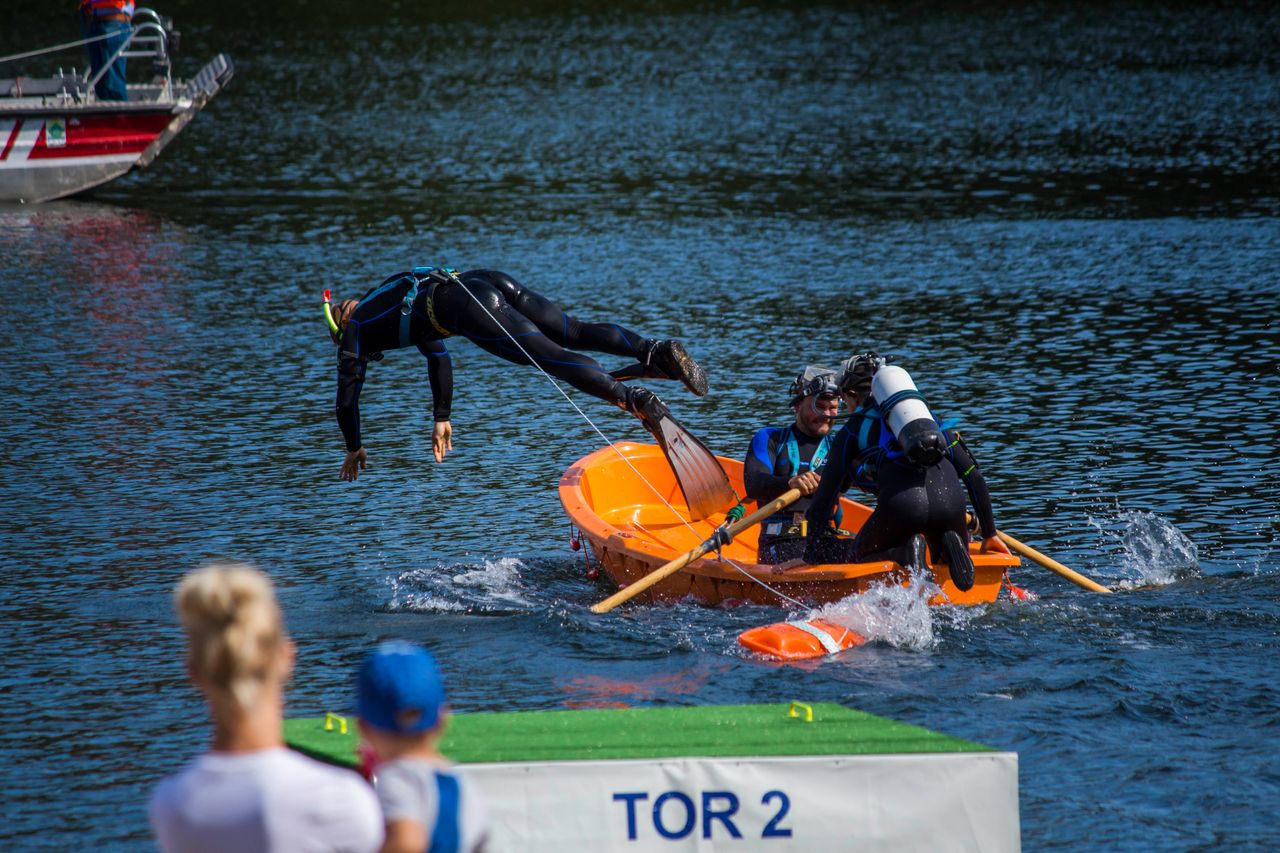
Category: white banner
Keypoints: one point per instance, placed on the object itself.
(917, 802)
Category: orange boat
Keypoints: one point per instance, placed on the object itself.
(608, 496)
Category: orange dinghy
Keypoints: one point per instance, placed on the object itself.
(612, 501)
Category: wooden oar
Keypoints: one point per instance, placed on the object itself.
(1050, 563)
(781, 502)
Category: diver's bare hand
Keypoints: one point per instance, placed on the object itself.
(994, 545)
(807, 482)
(441, 440)
(356, 461)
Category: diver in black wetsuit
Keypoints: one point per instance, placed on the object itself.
(489, 308)
(915, 504)
(792, 457)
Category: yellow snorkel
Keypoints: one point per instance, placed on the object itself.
(334, 331)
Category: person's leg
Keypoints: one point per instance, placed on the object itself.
(828, 550)
(781, 549)
(902, 510)
(561, 328)
(112, 86)
(488, 321)
(655, 359)
(947, 531)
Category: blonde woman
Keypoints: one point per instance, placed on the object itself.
(248, 792)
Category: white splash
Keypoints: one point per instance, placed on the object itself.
(498, 579)
(443, 588)
(897, 615)
(1151, 549)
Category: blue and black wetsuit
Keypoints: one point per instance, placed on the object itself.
(440, 309)
(910, 499)
(776, 455)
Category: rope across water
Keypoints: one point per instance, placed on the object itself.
(458, 281)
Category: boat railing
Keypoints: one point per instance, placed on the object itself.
(149, 38)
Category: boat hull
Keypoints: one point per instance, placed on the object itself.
(632, 532)
(47, 157)
(53, 147)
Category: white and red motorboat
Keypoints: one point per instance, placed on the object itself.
(57, 138)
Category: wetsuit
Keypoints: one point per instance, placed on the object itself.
(775, 456)
(502, 308)
(910, 499)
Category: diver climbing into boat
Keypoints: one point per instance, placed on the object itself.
(892, 447)
(792, 457)
(423, 307)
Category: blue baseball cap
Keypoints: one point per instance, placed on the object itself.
(399, 689)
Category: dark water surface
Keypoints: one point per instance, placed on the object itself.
(1063, 221)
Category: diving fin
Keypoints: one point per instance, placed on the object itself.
(705, 485)
(666, 360)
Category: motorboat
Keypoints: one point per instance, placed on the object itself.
(57, 138)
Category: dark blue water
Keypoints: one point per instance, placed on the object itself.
(1063, 222)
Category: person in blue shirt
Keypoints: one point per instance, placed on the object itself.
(428, 804)
(915, 505)
(792, 457)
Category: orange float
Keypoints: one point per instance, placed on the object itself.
(813, 638)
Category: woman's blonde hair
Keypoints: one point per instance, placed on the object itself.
(234, 630)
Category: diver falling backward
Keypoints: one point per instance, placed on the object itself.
(489, 308)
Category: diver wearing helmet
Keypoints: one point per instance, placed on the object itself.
(422, 307)
(791, 457)
(919, 499)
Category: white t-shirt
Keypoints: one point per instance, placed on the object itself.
(269, 800)
(409, 789)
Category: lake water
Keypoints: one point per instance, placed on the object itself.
(1062, 221)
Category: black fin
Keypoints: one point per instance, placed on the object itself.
(705, 485)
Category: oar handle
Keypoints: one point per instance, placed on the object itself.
(1050, 563)
(781, 502)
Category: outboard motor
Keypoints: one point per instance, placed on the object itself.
(905, 413)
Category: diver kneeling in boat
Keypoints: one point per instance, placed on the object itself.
(892, 447)
(792, 457)
(501, 316)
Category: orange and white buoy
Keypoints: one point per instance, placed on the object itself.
(812, 638)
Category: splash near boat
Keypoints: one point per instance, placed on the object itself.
(731, 776)
(610, 497)
(57, 138)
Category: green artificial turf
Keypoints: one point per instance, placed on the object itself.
(650, 733)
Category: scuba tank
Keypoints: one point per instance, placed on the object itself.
(906, 415)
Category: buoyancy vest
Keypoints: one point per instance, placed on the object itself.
(868, 447)
(783, 524)
(105, 8)
(411, 282)
(791, 447)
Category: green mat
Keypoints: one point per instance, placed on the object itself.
(649, 733)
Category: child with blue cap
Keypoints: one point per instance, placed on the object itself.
(400, 701)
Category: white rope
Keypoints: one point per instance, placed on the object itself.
(607, 441)
(57, 47)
